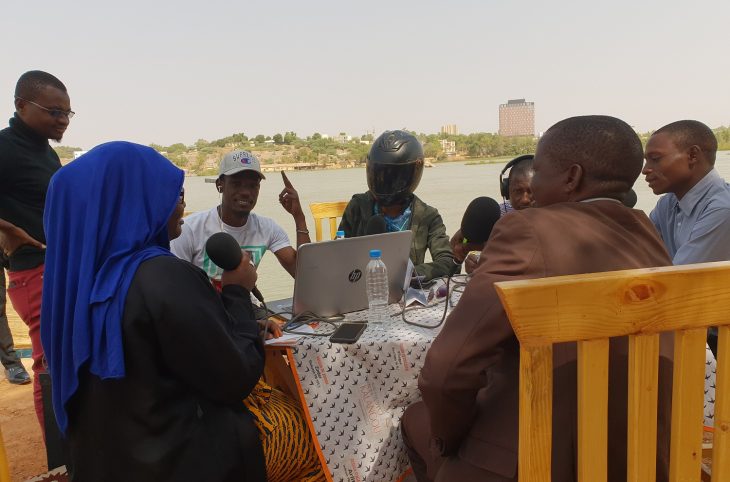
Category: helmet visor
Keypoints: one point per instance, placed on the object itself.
(390, 181)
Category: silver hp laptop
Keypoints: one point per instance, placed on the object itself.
(330, 276)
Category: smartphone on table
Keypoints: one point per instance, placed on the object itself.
(348, 332)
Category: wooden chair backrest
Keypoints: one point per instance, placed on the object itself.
(592, 308)
(331, 211)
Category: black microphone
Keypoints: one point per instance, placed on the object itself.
(629, 199)
(224, 251)
(376, 225)
(479, 219)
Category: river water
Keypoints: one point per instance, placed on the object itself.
(448, 187)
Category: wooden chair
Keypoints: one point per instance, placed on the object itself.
(330, 211)
(639, 304)
(4, 469)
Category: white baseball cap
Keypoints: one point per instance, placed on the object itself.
(237, 161)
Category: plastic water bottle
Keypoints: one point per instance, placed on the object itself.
(376, 279)
(340, 235)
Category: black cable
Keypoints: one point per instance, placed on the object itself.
(449, 279)
(459, 286)
(308, 317)
(266, 321)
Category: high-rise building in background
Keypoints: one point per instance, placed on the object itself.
(517, 118)
(449, 129)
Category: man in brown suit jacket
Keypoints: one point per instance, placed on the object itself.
(466, 427)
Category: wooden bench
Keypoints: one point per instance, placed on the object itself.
(640, 304)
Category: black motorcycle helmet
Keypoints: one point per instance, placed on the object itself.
(394, 167)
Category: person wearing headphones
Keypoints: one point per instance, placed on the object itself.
(238, 183)
(515, 188)
(516, 195)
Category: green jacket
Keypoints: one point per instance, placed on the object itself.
(428, 229)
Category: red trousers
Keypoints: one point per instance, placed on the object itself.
(24, 290)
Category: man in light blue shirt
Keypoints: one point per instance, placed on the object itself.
(693, 217)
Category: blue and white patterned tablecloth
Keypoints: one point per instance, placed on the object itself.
(356, 394)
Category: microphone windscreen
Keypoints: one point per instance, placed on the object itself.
(479, 219)
(630, 199)
(224, 251)
(376, 225)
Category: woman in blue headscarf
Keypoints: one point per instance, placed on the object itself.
(149, 364)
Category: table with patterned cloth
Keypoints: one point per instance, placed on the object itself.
(355, 394)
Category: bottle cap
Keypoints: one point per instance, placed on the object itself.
(374, 253)
(340, 234)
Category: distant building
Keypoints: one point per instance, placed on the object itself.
(78, 154)
(342, 138)
(517, 118)
(449, 129)
(449, 147)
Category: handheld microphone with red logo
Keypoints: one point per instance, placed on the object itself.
(224, 251)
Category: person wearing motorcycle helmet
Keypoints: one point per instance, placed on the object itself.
(394, 169)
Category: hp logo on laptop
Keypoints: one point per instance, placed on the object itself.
(354, 275)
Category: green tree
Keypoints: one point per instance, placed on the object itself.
(359, 152)
(432, 148)
(178, 160)
(260, 139)
(316, 136)
(289, 137)
(232, 139)
(278, 139)
(305, 154)
(174, 148)
(723, 138)
(199, 162)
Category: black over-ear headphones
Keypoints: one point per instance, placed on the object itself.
(504, 181)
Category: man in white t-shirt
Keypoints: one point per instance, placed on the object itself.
(239, 182)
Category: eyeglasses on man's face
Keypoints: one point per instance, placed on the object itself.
(55, 113)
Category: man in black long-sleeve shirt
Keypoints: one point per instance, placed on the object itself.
(27, 162)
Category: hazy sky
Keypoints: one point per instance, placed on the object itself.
(166, 72)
